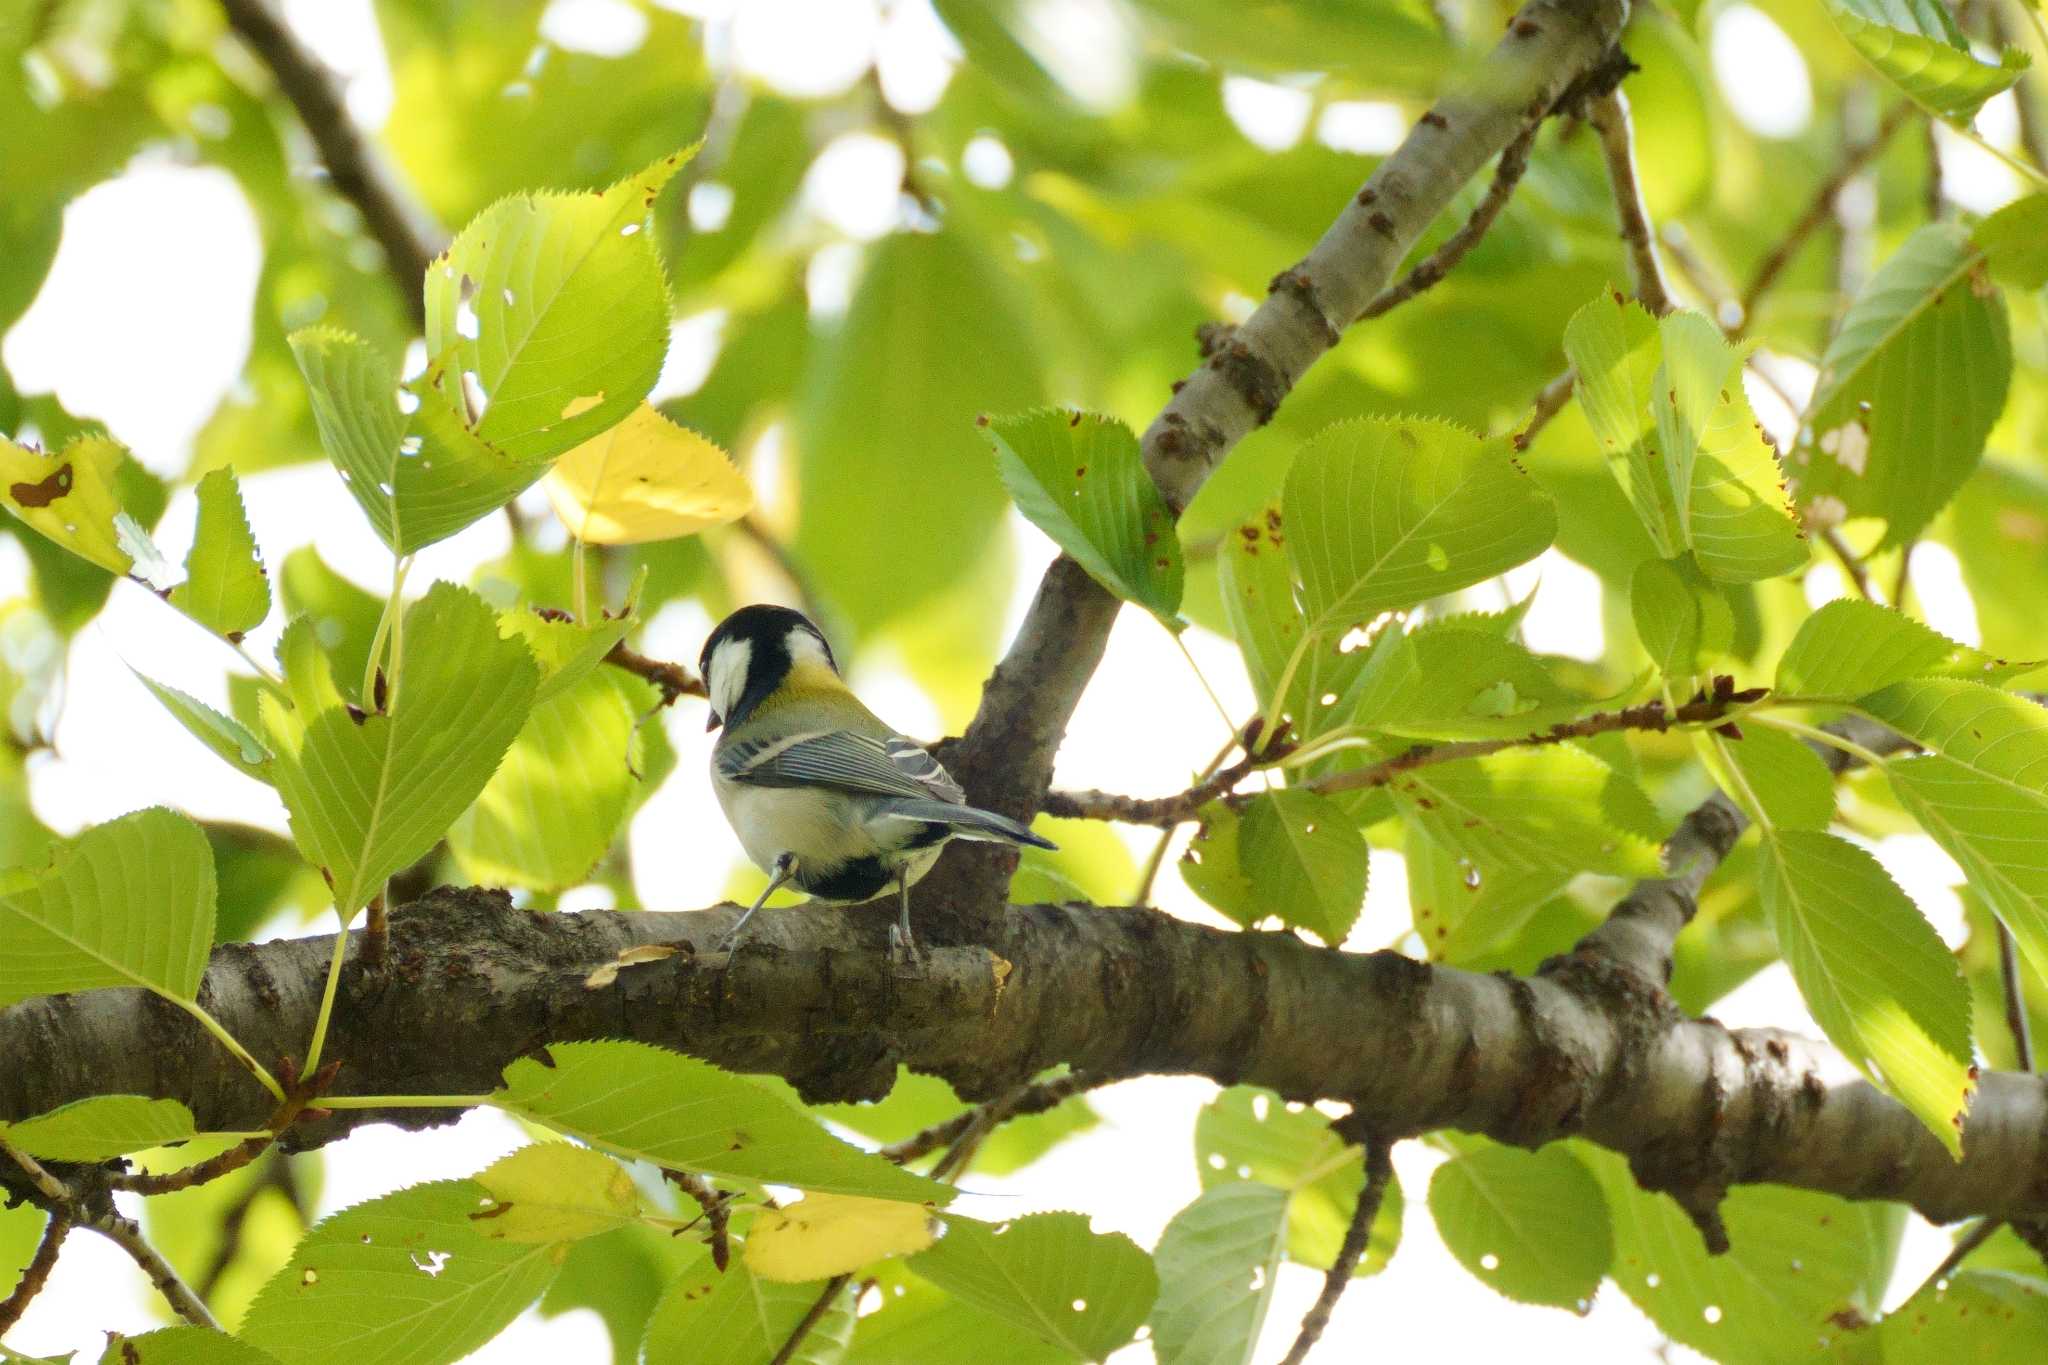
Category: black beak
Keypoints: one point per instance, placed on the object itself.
(713, 722)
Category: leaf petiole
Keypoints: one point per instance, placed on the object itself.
(227, 1040)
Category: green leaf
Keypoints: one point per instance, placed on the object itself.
(419, 476)
(182, 1346)
(225, 587)
(550, 812)
(1851, 647)
(344, 616)
(936, 333)
(370, 796)
(127, 903)
(1874, 973)
(1450, 680)
(916, 1102)
(1080, 479)
(1682, 619)
(1248, 1134)
(71, 498)
(1384, 514)
(1983, 794)
(921, 1323)
(100, 1127)
(1998, 528)
(225, 735)
(2014, 241)
(1796, 1262)
(1257, 585)
(1462, 910)
(1085, 1292)
(620, 1276)
(1305, 861)
(1916, 45)
(566, 651)
(1771, 768)
(1909, 388)
(557, 305)
(1531, 1225)
(1614, 346)
(402, 1280)
(1730, 490)
(1555, 809)
(1992, 1317)
(555, 1192)
(1218, 1261)
(708, 1317)
(642, 1102)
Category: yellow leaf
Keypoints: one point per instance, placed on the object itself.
(822, 1235)
(645, 479)
(69, 497)
(555, 1192)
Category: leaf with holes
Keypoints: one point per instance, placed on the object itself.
(1218, 1260)
(1982, 794)
(822, 1235)
(1085, 1292)
(1799, 1267)
(645, 479)
(420, 475)
(921, 1322)
(1874, 973)
(651, 1105)
(1383, 514)
(1305, 861)
(1909, 388)
(559, 796)
(1995, 1317)
(127, 903)
(1450, 680)
(402, 1280)
(369, 795)
(554, 309)
(1916, 45)
(1249, 1134)
(69, 497)
(225, 587)
(1213, 865)
(1079, 478)
(555, 1192)
(734, 1317)
(100, 1127)
(1531, 1225)
(1462, 909)
(1557, 809)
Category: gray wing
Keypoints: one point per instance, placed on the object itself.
(893, 766)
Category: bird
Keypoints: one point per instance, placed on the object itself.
(821, 792)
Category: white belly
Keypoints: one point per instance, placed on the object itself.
(823, 830)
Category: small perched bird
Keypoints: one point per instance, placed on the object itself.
(821, 793)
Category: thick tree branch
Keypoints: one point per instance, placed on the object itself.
(406, 233)
(1592, 1049)
(1005, 758)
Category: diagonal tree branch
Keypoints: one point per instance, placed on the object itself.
(1609, 116)
(1005, 758)
(1379, 1173)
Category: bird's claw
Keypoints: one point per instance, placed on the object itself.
(903, 949)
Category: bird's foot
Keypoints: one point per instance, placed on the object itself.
(903, 950)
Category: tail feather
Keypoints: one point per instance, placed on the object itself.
(971, 822)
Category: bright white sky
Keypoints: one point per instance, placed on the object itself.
(182, 290)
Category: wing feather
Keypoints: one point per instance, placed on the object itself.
(894, 766)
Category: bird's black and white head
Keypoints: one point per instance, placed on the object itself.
(752, 652)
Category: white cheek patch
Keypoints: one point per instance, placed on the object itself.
(728, 674)
(805, 647)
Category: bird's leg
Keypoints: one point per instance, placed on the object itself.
(785, 868)
(902, 942)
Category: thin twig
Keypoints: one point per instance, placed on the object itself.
(2015, 998)
(405, 232)
(1818, 211)
(276, 1176)
(1034, 1097)
(299, 1096)
(36, 1274)
(1609, 116)
(1859, 576)
(1977, 1236)
(672, 679)
(833, 1288)
(1902, 586)
(1379, 1173)
(1163, 811)
(1514, 160)
(717, 1206)
(1549, 403)
(1931, 189)
(778, 552)
(2033, 128)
